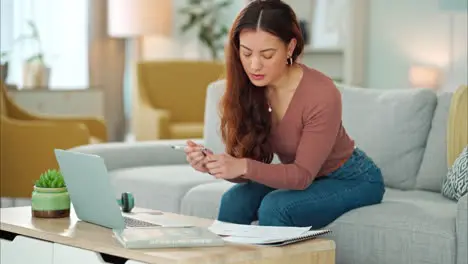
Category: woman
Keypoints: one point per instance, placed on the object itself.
(273, 104)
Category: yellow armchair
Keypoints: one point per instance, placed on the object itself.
(28, 142)
(171, 98)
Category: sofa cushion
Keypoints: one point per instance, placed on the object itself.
(461, 225)
(158, 187)
(434, 164)
(455, 184)
(204, 199)
(392, 127)
(408, 227)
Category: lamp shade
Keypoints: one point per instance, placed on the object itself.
(424, 77)
(132, 18)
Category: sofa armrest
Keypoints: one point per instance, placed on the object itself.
(144, 153)
(462, 231)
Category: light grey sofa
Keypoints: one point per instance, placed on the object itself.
(404, 130)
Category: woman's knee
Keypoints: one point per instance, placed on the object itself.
(230, 209)
(232, 198)
(273, 211)
(245, 193)
(240, 203)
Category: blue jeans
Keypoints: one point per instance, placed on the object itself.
(357, 183)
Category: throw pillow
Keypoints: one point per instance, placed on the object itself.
(455, 184)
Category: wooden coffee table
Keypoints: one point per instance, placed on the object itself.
(32, 240)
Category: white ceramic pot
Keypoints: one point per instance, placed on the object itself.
(35, 75)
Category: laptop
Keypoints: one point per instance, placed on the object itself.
(91, 192)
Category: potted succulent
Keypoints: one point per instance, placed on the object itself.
(50, 198)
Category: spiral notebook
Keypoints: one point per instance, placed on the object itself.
(276, 241)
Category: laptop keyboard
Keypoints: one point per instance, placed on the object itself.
(132, 222)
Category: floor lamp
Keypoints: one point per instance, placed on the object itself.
(132, 20)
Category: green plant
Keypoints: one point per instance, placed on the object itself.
(50, 179)
(205, 15)
(33, 35)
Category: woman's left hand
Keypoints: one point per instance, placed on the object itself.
(224, 166)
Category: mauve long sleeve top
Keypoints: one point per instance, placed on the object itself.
(310, 140)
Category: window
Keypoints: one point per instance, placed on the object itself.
(63, 31)
(6, 22)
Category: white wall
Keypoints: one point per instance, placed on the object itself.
(407, 32)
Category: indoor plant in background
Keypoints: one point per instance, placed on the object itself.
(205, 16)
(36, 72)
(50, 198)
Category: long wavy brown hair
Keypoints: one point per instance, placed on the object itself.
(245, 120)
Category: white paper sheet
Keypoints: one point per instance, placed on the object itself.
(254, 231)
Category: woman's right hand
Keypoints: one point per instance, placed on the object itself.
(196, 157)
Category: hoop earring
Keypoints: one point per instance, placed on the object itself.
(289, 61)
